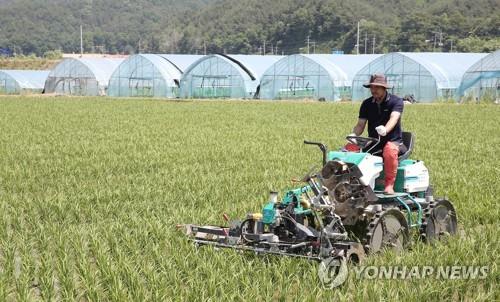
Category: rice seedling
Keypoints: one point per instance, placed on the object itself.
(91, 190)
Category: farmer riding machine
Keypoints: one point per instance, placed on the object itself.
(341, 210)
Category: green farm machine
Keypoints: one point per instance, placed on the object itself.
(341, 211)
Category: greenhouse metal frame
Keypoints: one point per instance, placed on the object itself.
(315, 76)
(482, 80)
(426, 76)
(225, 76)
(81, 76)
(150, 75)
(22, 81)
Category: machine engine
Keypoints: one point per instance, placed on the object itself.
(346, 189)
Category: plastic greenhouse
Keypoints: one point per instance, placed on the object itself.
(22, 81)
(81, 76)
(225, 76)
(317, 76)
(426, 76)
(150, 75)
(482, 80)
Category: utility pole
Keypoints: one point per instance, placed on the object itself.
(434, 45)
(366, 41)
(314, 47)
(451, 48)
(205, 47)
(373, 49)
(81, 40)
(308, 42)
(357, 41)
(264, 47)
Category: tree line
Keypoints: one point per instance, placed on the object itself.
(249, 26)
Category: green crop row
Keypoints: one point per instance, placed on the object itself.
(91, 190)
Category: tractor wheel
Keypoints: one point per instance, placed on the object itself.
(388, 229)
(439, 221)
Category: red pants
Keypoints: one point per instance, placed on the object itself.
(390, 155)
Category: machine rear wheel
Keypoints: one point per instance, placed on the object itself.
(440, 221)
(388, 229)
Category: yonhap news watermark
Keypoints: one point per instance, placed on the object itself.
(421, 272)
(333, 272)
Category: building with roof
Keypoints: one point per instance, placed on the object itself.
(316, 76)
(150, 75)
(482, 80)
(81, 76)
(225, 76)
(22, 81)
(426, 76)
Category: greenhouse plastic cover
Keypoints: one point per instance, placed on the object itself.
(102, 68)
(171, 66)
(28, 79)
(182, 62)
(486, 68)
(250, 69)
(256, 64)
(342, 68)
(446, 68)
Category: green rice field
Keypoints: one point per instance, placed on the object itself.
(91, 191)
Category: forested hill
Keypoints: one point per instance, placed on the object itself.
(244, 26)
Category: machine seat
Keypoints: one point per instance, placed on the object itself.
(408, 141)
